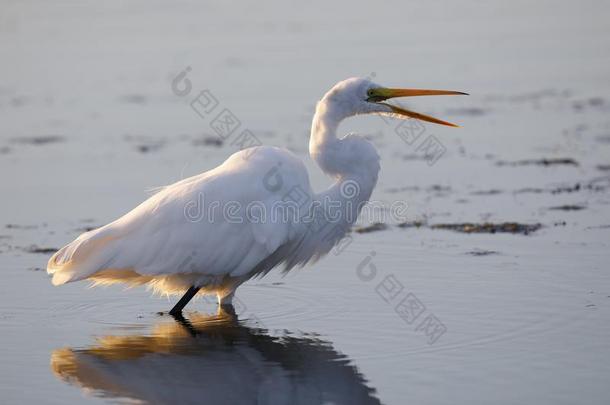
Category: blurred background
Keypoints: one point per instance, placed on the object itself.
(90, 120)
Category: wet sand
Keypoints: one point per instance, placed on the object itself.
(492, 286)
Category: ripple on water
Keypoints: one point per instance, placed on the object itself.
(289, 303)
(543, 319)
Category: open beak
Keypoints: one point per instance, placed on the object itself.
(381, 94)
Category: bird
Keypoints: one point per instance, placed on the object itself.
(210, 233)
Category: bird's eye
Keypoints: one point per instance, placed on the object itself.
(369, 92)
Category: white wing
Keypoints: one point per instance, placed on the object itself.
(198, 225)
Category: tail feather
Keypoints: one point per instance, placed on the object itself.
(81, 258)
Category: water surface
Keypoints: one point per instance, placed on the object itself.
(89, 122)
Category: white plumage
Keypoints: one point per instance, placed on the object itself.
(217, 229)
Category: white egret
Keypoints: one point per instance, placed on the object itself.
(209, 233)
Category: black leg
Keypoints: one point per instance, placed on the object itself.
(177, 309)
(186, 324)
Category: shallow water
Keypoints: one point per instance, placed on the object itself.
(89, 122)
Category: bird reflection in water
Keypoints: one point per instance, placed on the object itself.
(214, 360)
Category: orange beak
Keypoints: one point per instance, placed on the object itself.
(381, 94)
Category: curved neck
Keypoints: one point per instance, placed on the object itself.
(352, 161)
(350, 156)
(323, 142)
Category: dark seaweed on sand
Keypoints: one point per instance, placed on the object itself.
(38, 139)
(378, 226)
(482, 252)
(42, 250)
(539, 162)
(568, 207)
(488, 227)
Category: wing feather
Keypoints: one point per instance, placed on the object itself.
(178, 230)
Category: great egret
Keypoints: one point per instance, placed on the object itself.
(209, 233)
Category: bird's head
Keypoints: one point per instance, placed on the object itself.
(362, 96)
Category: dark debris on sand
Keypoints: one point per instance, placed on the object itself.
(412, 224)
(535, 190)
(148, 148)
(485, 227)
(486, 192)
(144, 143)
(599, 227)
(38, 139)
(603, 168)
(596, 185)
(86, 229)
(568, 207)
(540, 162)
(488, 227)
(16, 226)
(208, 141)
(482, 252)
(41, 250)
(566, 189)
(555, 190)
(377, 226)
